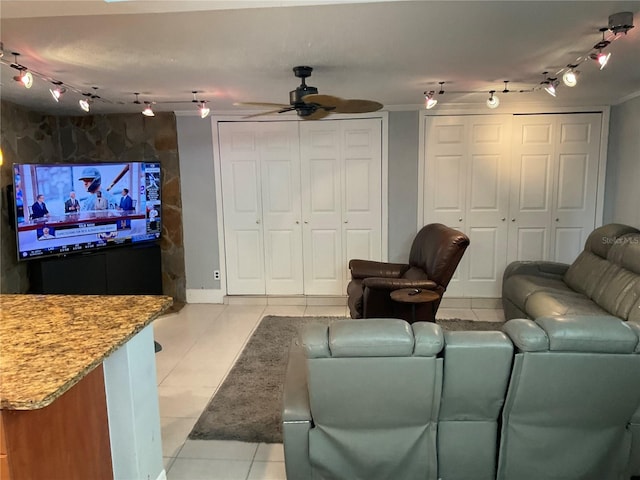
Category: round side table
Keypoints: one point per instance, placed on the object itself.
(415, 296)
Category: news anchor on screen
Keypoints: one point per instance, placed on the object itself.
(126, 203)
(39, 208)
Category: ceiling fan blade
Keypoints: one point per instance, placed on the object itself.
(323, 100)
(317, 115)
(261, 104)
(270, 112)
(358, 106)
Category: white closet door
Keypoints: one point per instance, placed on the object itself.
(487, 204)
(321, 164)
(578, 155)
(242, 207)
(361, 192)
(280, 167)
(554, 180)
(466, 187)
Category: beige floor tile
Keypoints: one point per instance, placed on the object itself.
(174, 432)
(270, 452)
(267, 471)
(183, 402)
(489, 314)
(325, 311)
(167, 462)
(218, 449)
(285, 311)
(206, 469)
(462, 313)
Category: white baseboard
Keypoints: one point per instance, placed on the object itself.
(204, 296)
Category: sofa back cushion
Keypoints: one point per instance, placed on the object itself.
(374, 392)
(568, 408)
(608, 270)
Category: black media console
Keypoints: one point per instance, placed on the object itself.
(126, 270)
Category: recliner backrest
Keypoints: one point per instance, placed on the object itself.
(573, 391)
(374, 392)
(437, 250)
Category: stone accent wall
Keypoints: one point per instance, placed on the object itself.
(29, 137)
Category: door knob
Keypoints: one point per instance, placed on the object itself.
(346, 221)
(557, 219)
(460, 219)
(257, 221)
(297, 222)
(503, 219)
(513, 219)
(306, 221)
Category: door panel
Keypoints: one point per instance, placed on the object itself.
(467, 187)
(281, 207)
(242, 208)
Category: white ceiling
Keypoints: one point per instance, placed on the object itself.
(239, 51)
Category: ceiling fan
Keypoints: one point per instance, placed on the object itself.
(310, 105)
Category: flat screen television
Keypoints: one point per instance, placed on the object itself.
(62, 209)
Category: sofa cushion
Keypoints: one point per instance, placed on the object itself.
(599, 334)
(585, 273)
(519, 287)
(555, 303)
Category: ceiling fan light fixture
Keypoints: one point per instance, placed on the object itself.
(493, 101)
(429, 101)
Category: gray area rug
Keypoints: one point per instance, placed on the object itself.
(247, 405)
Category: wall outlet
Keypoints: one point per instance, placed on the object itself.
(216, 274)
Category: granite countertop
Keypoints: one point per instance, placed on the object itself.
(48, 343)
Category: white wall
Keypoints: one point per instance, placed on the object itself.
(622, 191)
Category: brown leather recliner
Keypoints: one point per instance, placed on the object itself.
(435, 254)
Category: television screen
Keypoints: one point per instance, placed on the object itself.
(69, 208)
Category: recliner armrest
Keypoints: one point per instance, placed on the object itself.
(370, 268)
(537, 268)
(295, 396)
(398, 283)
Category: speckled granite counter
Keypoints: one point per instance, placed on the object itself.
(48, 343)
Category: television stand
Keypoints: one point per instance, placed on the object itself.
(124, 270)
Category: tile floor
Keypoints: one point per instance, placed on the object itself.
(200, 344)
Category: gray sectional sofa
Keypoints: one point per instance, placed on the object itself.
(603, 280)
(380, 399)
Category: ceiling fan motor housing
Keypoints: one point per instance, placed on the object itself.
(295, 96)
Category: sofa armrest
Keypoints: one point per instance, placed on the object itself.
(370, 268)
(398, 283)
(537, 268)
(295, 397)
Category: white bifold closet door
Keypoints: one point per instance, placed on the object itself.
(466, 187)
(554, 185)
(261, 206)
(342, 205)
(299, 200)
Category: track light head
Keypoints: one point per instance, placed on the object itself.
(58, 91)
(148, 111)
(570, 77)
(25, 78)
(601, 58)
(550, 86)
(429, 101)
(85, 104)
(493, 101)
(441, 88)
(203, 109)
